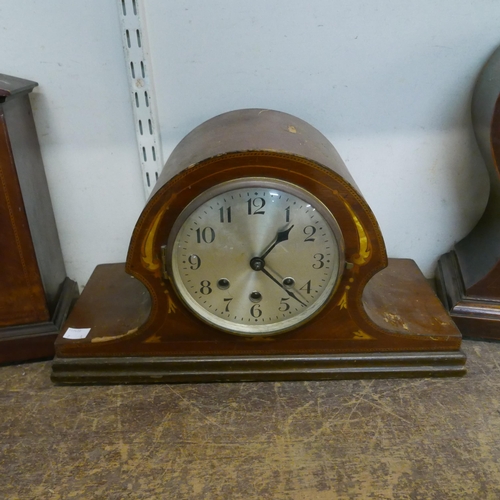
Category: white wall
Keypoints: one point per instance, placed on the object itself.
(84, 121)
(388, 81)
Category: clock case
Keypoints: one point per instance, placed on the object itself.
(382, 321)
(468, 277)
(35, 293)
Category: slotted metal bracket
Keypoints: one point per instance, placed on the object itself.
(137, 57)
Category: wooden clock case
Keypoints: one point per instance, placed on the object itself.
(468, 277)
(382, 321)
(35, 294)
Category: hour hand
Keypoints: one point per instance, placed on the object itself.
(281, 236)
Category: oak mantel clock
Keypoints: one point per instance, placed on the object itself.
(256, 258)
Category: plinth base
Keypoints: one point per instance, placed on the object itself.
(137, 370)
(475, 317)
(36, 340)
(412, 336)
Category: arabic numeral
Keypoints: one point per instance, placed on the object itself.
(309, 231)
(228, 300)
(205, 287)
(194, 261)
(225, 215)
(284, 305)
(306, 287)
(207, 235)
(257, 204)
(256, 311)
(318, 257)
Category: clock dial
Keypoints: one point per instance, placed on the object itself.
(255, 256)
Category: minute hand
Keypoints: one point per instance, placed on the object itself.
(281, 236)
(266, 272)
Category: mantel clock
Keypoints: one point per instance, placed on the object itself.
(256, 258)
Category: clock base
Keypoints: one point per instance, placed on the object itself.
(475, 317)
(416, 339)
(35, 341)
(137, 370)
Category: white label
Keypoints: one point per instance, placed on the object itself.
(76, 333)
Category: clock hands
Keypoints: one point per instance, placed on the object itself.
(281, 236)
(258, 263)
(291, 294)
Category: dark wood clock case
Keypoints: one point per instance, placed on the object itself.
(468, 277)
(382, 321)
(35, 294)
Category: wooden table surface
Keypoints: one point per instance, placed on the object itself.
(402, 439)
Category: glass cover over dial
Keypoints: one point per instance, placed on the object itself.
(255, 256)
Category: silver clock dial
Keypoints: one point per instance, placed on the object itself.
(255, 256)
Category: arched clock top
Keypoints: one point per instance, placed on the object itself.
(253, 130)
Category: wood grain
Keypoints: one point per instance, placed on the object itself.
(432, 439)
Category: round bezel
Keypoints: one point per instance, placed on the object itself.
(254, 329)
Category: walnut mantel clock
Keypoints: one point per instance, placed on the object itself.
(256, 258)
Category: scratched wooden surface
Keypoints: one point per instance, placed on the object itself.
(402, 439)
